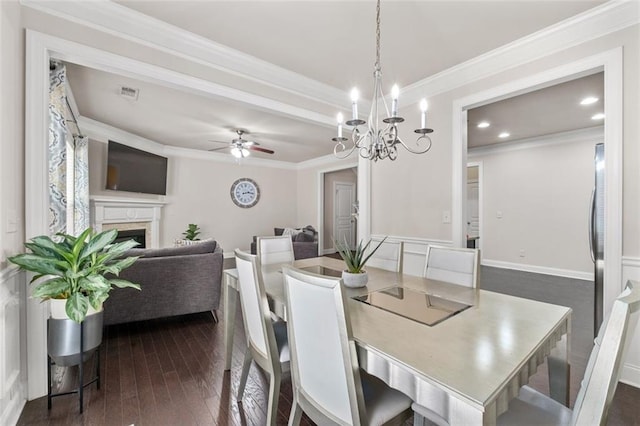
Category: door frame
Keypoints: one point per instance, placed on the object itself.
(479, 165)
(355, 198)
(611, 62)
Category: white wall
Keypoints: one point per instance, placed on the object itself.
(198, 191)
(542, 193)
(349, 176)
(13, 375)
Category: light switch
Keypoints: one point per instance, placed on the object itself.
(446, 216)
(12, 221)
(499, 214)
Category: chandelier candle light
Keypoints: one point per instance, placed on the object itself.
(379, 141)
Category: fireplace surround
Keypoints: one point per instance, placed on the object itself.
(126, 214)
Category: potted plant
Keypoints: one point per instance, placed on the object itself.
(190, 236)
(355, 275)
(74, 269)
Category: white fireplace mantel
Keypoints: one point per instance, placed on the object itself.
(127, 211)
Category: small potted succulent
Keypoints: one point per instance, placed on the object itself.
(355, 275)
(190, 236)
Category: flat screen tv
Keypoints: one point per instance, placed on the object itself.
(133, 170)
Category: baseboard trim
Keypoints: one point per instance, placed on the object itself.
(566, 273)
(630, 375)
(13, 411)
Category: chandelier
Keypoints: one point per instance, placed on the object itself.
(379, 140)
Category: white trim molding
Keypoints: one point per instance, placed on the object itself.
(609, 61)
(631, 368)
(597, 22)
(566, 273)
(126, 23)
(589, 135)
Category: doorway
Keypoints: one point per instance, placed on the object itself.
(338, 202)
(474, 210)
(611, 63)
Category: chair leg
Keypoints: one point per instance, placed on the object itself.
(418, 420)
(274, 395)
(296, 413)
(245, 373)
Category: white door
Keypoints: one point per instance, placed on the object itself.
(344, 226)
(473, 211)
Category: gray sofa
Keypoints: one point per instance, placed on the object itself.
(174, 281)
(305, 243)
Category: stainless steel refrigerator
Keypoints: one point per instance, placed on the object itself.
(596, 235)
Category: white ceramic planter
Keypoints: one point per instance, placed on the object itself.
(355, 280)
(58, 309)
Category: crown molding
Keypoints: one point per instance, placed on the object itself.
(120, 21)
(588, 135)
(594, 23)
(102, 132)
(330, 162)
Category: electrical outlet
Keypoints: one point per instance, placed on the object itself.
(522, 253)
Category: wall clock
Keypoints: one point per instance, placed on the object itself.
(245, 193)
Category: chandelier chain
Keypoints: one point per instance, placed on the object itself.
(377, 65)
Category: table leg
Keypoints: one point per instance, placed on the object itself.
(560, 369)
(230, 306)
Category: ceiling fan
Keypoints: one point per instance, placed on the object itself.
(240, 147)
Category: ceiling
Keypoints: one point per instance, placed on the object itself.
(546, 111)
(331, 42)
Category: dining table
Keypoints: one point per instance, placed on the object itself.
(466, 367)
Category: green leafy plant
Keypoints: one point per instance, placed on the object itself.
(74, 268)
(356, 259)
(192, 232)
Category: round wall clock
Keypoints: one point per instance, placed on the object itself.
(245, 193)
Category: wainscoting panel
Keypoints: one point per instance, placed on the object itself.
(631, 368)
(415, 252)
(12, 345)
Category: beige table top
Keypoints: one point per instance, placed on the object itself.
(474, 355)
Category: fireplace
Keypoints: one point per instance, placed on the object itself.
(138, 235)
(126, 214)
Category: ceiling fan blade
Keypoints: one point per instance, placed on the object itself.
(218, 149)
(265, 150)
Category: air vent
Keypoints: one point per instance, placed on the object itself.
(129, 92)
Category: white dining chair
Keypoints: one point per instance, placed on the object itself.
(275, 250)
(267, 342)
(454, 265)
(389, 255)
(600, 378)
(598, 385)
(328, 385)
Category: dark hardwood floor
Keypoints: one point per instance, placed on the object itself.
(170, 372)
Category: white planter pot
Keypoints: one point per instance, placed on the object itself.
(58, 309)
(355, 280)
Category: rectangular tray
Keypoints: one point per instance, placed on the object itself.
(413, 304)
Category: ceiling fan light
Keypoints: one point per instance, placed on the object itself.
(235, 151)
(245, 152)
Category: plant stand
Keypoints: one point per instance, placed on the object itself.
(69, 344)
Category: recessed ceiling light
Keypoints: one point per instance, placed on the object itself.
(504, 135)
(589, 100)
(598, 116)
(483, 124)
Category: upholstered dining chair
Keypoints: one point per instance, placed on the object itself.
(275, 249)
(389, 255)
(454, 265)
(598, 385)
(328, 386)
(267, 342)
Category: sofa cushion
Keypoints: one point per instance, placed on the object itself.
(206, 246)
